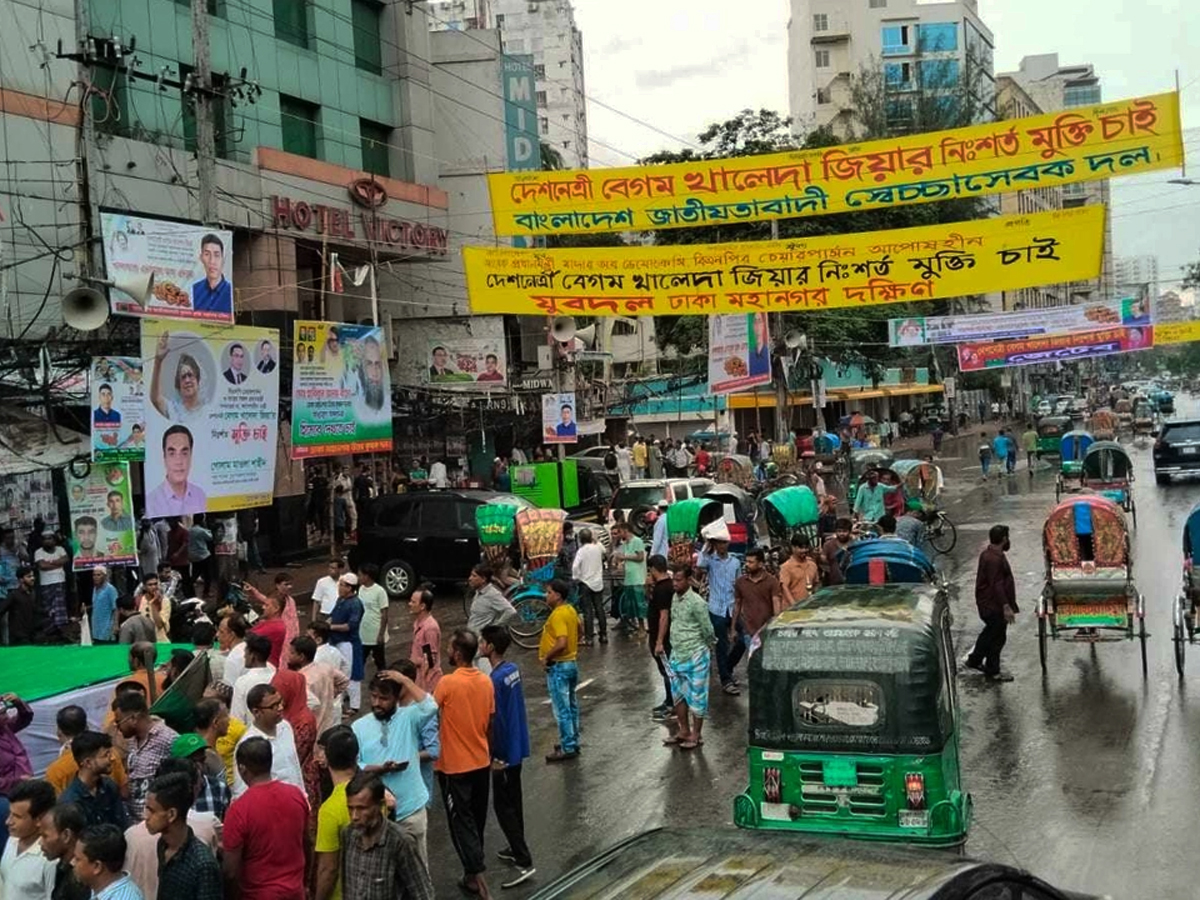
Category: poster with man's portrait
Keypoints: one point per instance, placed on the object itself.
(102, 525)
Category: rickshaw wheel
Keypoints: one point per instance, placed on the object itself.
(1142, 638)
(526, 629)
(1042, 639)
(1179, 648)
(944, 540)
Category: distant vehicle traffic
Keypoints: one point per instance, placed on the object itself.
(1177, 450)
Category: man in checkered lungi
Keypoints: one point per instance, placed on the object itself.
(51, 561)
(692, 640)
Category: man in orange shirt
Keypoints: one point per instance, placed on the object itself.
(799, 576)
(71, 722)
(467, 703)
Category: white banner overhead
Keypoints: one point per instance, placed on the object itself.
(919, 331)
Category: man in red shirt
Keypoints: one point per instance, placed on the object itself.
(272, 627)
(996, 599)
(467, 702)
(265, 840)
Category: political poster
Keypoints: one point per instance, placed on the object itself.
(559, 425)
(341, 390)
(1176, 333)
(1046, 151)
(478, 363)
(118, 409)
(192, 266)
(102, 529)
(935, 262)
(917, 331)
(739, 353)
(211, 417)
(1055, 348)
(27, 498)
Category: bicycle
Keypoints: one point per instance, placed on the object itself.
(943, 536)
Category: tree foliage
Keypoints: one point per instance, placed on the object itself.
(845, 335)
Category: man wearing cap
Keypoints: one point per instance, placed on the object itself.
(660, 538)
(723, 570)
(214, 796)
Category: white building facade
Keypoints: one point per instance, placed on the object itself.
(1132, 272)
(545, 30)
(917, 42)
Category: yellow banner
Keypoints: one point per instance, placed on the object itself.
(1085, 144)
(1176, 333)
(928, 263)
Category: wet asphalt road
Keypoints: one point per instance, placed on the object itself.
(1088, 777)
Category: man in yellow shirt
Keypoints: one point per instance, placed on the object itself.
(557, 652)
(341, 755)
(70, 722)
(641, 456)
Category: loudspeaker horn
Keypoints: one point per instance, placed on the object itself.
(139, 287)
(85, 309)
(586, 336)
(794, 340)
(563, 329)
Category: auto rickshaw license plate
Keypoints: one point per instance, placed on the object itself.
(914, 818)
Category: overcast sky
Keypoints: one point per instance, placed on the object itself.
(678, 65)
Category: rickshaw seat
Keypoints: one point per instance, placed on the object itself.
(1107, 579)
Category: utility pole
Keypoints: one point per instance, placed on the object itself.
(202, 96)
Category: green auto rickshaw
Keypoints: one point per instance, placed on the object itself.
(854, 719)
(1050, 430)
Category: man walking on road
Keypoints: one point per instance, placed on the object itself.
(662, 592)
(588, 572)
(996, 598)
(1029, 442)
(723, 570)
(985, 454)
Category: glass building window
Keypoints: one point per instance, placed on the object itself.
(368, 50)
(939, 73)
(299, 119)
(937, 37)
(822, 57)
(877, 4)
(896, 40)
(897, 75)
(375, 140)
(291, 21)
(1081, 95)
(820, 22)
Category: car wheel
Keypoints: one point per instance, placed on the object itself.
(399, 579)
(1162, 480)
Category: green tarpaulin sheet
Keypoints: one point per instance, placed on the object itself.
(33, 673)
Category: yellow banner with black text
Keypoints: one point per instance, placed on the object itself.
(1085, 144)
(849, 270)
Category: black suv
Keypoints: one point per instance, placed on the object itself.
(423, 536)
(1177, 449)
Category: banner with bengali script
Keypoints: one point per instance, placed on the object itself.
(102, 523)
(1176, 333)
(212, 417)
(739, 352)
(934, 262)
(341, 390)
(1085, 144)
(1053, 348)
(118, 409)
(918, 331)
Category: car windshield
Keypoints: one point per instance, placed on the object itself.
(633, 497)
(1189, 431)
(511, 500)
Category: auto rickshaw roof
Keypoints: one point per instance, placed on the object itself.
(905, 606)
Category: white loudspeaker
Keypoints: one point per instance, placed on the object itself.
(85, 309)
(586, 336)
(139, 287)
(563, 329)
(793, 340)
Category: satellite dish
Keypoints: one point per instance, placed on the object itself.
(563, 329)
(85, 309)
(794, 340)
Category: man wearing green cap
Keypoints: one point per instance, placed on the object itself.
(214, 796)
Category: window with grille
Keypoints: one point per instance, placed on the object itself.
(820, 22)
(822, 59)
(299, 121)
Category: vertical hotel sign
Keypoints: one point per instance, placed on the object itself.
(520, 120)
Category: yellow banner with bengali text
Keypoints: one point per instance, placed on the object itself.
(934, 262)
(1177, 333)
(1085, 144)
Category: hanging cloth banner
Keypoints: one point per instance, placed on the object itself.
(1086, 144)
(1176, 333)
(1054, 348)
(933, 262)
(918, 331)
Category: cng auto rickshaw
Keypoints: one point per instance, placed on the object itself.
(1089, 595)
(854, 720)
(1143, 417)
(1073, 446)
(1050, 430)
(1108, 471)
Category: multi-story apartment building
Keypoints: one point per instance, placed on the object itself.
(920, 45)
(545, 30)
(1055, 87)
(1134, 273)
(1013, 102)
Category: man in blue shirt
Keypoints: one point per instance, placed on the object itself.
(104, 414)
(213, 294)
(1001, 446)
(104, 607)
(659, 543)
(723, 570)
(389, 746)
(510, 748)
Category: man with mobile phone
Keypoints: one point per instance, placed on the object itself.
(389, 746)
(427, 638)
